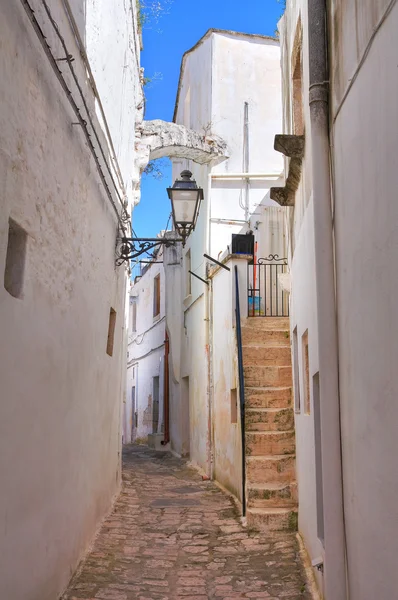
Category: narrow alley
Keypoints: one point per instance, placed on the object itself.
(172, 535)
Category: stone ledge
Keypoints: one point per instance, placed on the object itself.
(293, 147)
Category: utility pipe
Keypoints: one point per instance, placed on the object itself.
(334, 530)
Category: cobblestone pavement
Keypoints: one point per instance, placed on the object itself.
(173, 536)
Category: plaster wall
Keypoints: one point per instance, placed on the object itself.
(178, 387)
(303, 307)
(245, 69)
(114, 26)
(216, 77)
(366, 214)
(195, 112)
(145, 359)
(61, 393)
(225, 393)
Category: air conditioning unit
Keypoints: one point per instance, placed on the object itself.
(243, 243)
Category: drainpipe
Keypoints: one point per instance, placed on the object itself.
(335, 559)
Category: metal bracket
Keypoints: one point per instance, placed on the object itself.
(131, 248)
(197, 277)
(217, 262)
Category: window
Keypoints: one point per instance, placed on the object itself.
(134, 317)
(156, 296)
(296, 373)
(111, 332)
(298, 113)
(15, 259)
(306, 373)
(188, 289)
(234, 406)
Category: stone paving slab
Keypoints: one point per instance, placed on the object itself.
(173, 536)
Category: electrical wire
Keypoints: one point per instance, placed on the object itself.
(86, 62)
(54, 64)
(132, 360)
(142, 335)
(68, 57)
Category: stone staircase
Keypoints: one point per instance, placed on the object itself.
(271, 489)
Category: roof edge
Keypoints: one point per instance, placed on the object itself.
(208, 33)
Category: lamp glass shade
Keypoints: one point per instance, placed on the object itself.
(184, 205)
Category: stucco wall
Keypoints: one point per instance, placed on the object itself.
(226, 432)
(244, 69)
(303, 309)
(366, 215)
(60, 391)
(226, 65)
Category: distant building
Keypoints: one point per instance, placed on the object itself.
(230, 85)
(144, 407)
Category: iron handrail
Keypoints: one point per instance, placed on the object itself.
(241, 388)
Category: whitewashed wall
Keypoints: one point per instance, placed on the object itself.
(303, 311)
(365, 144)
(222, 72)
(61, 393)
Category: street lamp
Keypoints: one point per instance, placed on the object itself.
(185, 197)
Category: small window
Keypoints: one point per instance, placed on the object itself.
(15, 259)
(156, 296)
(296, 373)
(306, 373)
(234, 406)
(111, 332)
(297, 83)
(188, 289)
(134, 317)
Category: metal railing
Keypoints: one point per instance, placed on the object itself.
(266, 296)
(241, 388)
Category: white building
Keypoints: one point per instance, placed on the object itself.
(62, 315)
(343, 318)
(230, 85)
(144, 408)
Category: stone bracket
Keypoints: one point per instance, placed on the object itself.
(293, 147)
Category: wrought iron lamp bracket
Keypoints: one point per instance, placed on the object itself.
(132, 248)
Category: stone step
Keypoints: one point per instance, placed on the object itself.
(274, 469)
(272, 519)
(267, 323)
(268, 397)
(266, 443)
(267, 356)
(269, 419)
(267, 376)
(272, 495)
(259, 337)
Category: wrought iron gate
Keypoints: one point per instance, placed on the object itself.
(266, 296)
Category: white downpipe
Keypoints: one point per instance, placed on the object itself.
(335, 583)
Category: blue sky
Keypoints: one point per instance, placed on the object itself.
(180, 26)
